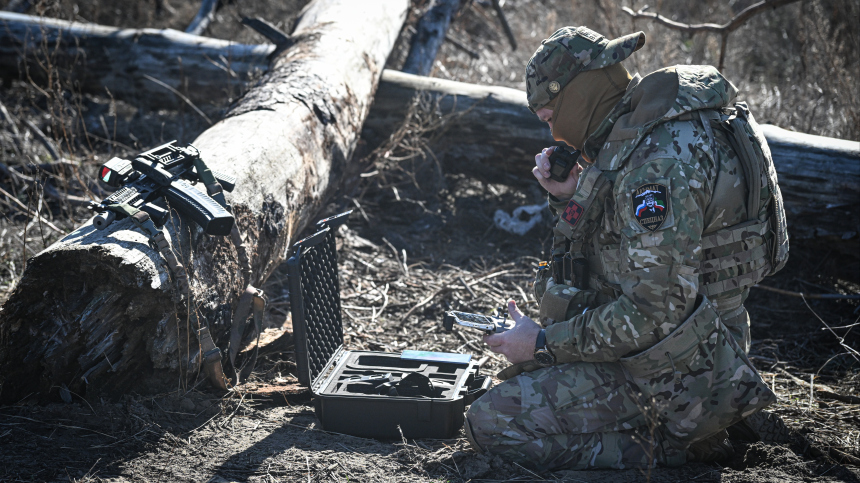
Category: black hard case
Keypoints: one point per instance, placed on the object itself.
(330, 370)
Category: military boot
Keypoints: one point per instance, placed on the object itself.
(714, 448)
(762, 426)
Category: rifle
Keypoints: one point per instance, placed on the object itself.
(164, 173)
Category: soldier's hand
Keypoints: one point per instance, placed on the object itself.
(517, 344)
(562, 190)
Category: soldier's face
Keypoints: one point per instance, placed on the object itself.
(545, 115)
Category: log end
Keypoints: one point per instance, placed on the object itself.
(79, 317)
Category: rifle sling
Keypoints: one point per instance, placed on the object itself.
(251, 299)
(251, 303)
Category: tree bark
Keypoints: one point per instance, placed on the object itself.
(94, 311)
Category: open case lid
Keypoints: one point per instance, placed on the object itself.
(315, 300)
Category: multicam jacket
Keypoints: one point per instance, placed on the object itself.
(672, 236)
(661, 216)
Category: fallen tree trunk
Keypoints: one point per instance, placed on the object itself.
(820, 181)
(819, 176)
(93, 312)
(99, 59)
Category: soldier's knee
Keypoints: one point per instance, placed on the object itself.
(467, 425)
(480, 424)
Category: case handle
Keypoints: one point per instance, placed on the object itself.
(470, 396)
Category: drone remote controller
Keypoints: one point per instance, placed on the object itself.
(488, 324)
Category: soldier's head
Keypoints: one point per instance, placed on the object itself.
(576, 72)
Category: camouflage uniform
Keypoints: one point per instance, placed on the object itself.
(646, 365)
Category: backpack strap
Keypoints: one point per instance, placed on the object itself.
(750, 160)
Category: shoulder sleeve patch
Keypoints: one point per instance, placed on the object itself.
(572, 213)
(651, 205)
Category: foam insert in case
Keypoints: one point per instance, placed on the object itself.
(367, 393)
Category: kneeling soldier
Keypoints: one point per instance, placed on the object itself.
(671, 214)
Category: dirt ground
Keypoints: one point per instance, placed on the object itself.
(272, 434)
(422, 240)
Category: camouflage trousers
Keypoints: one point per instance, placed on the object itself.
(579, 415)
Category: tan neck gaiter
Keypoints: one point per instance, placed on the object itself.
(585, 101)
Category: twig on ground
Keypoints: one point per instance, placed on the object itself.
(530, 472)
(228, 418)
(468, 342)
(821, 296)
(402, 263)
(851, 350)
(425, 302)
(66, 426)
(468, 288)
(179, 94)
(29, 212)
(52, 150)
(821, 389)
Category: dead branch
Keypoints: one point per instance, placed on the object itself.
(431, 30)
(460, 45)
(723, 30)
(203, 18)
(28, 211)
(49, 145)
(497, 6)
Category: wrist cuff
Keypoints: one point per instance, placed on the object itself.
(560, 342)
(556, 204)
(540, 342)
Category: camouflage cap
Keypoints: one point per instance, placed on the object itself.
(569, 51)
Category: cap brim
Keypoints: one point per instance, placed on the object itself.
(617, 50)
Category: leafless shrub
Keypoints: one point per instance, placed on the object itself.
(409, 152)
